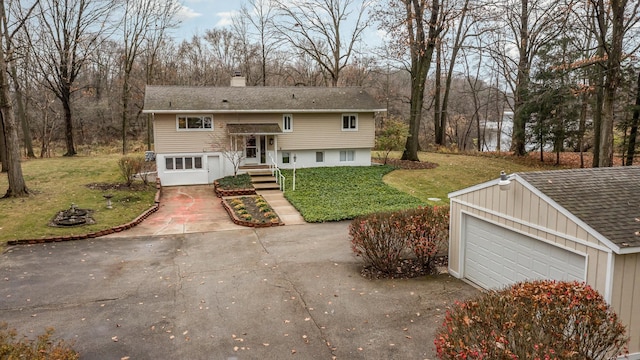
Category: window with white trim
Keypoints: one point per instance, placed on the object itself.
(286, 158)
(347, 155)
(183, 162)
(287, 123)
(194, 122)
(319, 156)
(349, 122)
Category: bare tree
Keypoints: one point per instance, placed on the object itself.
(462, 32)
(416, 25)
(17, 185)
(142, 20)
(316, 27)
(261, 15)
(69, 32)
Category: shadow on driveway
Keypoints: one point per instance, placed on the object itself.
(292, 291)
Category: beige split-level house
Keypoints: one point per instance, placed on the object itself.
(581, 224)
(196, 128)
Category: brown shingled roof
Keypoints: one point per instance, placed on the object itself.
(606, 199)
(166, 99)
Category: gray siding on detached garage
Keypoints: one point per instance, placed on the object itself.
(499, 237)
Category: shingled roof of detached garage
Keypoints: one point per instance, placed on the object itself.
(191, 99)
(606, 199)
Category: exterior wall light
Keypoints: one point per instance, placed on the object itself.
(504, 182)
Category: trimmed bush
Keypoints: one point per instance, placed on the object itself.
(427, 231)
(379, 239)
(385, 239)
(13, 347)
(541, 319)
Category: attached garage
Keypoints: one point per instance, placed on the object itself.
(581, 224)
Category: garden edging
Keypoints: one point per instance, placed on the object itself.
(236, 220)
(96, 234)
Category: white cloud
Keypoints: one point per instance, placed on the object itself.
(226, 18)
(187, 13)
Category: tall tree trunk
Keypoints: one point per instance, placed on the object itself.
(421, 48)
(612, 82)
(457, 43)
(522, 83)
(582, 127)
(22, 114)
(631, 149)
(597, 114)
(68, 122)
(17, 185)
(437, 110)
(3, 147)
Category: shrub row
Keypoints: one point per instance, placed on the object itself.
(541, 319)
(384, 239)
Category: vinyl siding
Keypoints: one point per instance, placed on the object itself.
(626, 295)
(310, 131)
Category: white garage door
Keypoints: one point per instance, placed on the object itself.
(496, 257)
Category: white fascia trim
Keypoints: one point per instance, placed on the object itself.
(258, 111)
(481, 186)
(557, 206)
(531, 225)
(568, 214)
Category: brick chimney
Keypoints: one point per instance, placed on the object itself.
(238, 80)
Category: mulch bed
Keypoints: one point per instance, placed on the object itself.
(408, 269)
(406, 164)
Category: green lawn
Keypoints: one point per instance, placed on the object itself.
(454, 172)
(55, 184)
(339, 193)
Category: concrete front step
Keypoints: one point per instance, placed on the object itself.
(266, 186)
(263, 179)
(259, 172)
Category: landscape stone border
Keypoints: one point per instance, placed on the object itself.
(236, 220)
(231, 192)
(96, 234)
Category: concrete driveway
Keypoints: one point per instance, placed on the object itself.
(286, 292)
(196, 209)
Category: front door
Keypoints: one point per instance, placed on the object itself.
(256, 150)
(251, 150)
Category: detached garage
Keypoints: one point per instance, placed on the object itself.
(581, 224)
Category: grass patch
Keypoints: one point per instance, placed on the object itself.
(454, 172)
(340, 193)
(242, 181)
(56, 183)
